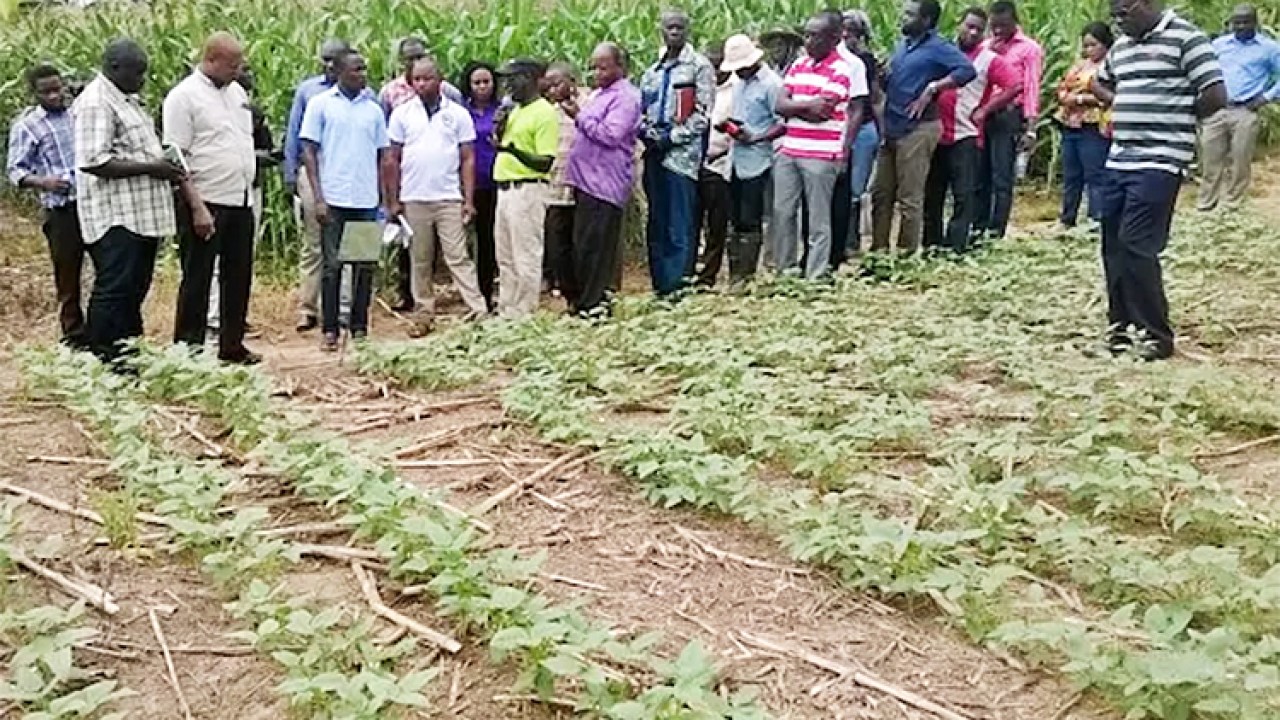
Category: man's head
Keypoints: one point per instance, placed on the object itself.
(46, 85)
(675, 30)
(856, 26)
(822, 33)
(410, 51)
(329, 52)
(424, 76)
(351, 72)
(1244, 22)
(124, 62)
(609, 63)
(523, 79)
(1136, 18)
(222, 59)
(561, 81)
(920, 17)
(1004, 20)
(973, 26)
(714, 53)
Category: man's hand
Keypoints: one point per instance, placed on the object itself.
(917, 107)
(979, 117)
(167, 171)
(570, 107)
(53, 184)
(468, 213)
(202, 221)
(394, 211)
(322, 211)
(746, 137)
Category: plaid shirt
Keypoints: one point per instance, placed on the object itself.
(562, 194)
(43, 145)
(112, 126)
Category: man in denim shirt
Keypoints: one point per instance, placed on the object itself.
(677, 93)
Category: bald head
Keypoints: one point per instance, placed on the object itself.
(223, 58)
(124, 63)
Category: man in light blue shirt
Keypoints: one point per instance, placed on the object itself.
(753, 126)
(1251, 66)
(299, 188)
(344, 136)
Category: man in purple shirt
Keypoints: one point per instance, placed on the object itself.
(601, 172)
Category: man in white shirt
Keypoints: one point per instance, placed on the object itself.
(430, 180)
(207, 117)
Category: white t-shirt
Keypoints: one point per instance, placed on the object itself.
(430, 163)
(858, 86)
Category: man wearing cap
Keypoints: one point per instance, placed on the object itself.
(601, 171)
(815, 101)
(528, 138)
(678, 92)
(754, 125)
(1251, 67)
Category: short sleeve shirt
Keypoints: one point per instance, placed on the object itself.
(350, 132)
(831, 77)
(431, 161)
(213, 126)
(533, 128)
(1157, 78)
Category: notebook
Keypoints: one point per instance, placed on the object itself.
(361, 242)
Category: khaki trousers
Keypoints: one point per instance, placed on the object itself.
(517, 235)
(432, 221)
(1227, 143)
(901, 172)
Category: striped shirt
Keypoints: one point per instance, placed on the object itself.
(832, 77)
(957, 106)
(42, 144)
(1157, 79)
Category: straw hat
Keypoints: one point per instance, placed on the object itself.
(740, 52)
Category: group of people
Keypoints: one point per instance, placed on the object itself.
(730, 141)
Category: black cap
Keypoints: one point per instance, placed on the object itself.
(517, 66)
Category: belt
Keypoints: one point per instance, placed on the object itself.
(1241, 103)
(510, 184)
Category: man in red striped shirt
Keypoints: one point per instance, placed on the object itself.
(963, 111)
(816, 106)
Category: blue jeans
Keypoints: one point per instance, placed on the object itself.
(865, 146)
(331, 275)
(669, 231)
(1084, 159)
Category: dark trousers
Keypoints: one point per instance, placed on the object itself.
(1084, 160)
(999, 165)
(712, 220)
(586, 271)
(404, 274)
(331, 276)
(954, 168)
(66, 250)
(1137, 210)
(232, 248)
(749, 197)
(841, 218)
(486, 256)
(123, 264)
(669, 230)
(557, 235)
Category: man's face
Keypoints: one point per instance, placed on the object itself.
(425, 79)
(50, 93)
(224, 67)
(1244, 24)
(353, 74)
(715, 56)
(522, 85)
(1130, 16)
(410, 54)
(606, 70)
(819, 38)
(912, 21)
(1003, 27)
(131, 74)
(559, 86)
(972, 28)
(675, 31)
(328, 52)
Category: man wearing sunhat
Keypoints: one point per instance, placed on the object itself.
(754, 125)
(528, 137)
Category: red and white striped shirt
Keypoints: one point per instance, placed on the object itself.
(956, 107)
(832, 77)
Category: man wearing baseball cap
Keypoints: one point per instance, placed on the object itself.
(753, 126)
(528, 136)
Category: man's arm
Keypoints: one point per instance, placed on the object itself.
(94, 131)
(1032, 71)
(698, 122)
(22, 167)
(292, 142)
(1004, 76)
(467, 154)
(614, 126)
(178, 123)
(1272, 93)
(533, 161)
(311, 161)
(1200, 63)
(391, 170)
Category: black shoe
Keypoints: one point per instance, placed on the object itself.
(330, 342)
(244, 357)
(404, 306)
(307, 323)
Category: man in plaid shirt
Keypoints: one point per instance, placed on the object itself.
(125, 190)
(42, 157)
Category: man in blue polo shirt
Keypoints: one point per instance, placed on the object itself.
(1251, 67)
(344, 136)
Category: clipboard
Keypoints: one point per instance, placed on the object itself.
(361, 242)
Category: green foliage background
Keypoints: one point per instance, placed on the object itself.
(282, 37)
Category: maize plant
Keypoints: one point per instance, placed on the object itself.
(282, 37)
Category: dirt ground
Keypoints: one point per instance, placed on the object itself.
(631, 565)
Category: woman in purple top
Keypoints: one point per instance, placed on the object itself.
(478, 88)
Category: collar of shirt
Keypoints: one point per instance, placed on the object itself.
(1165, 18)
(687, 55)
(365, 95)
